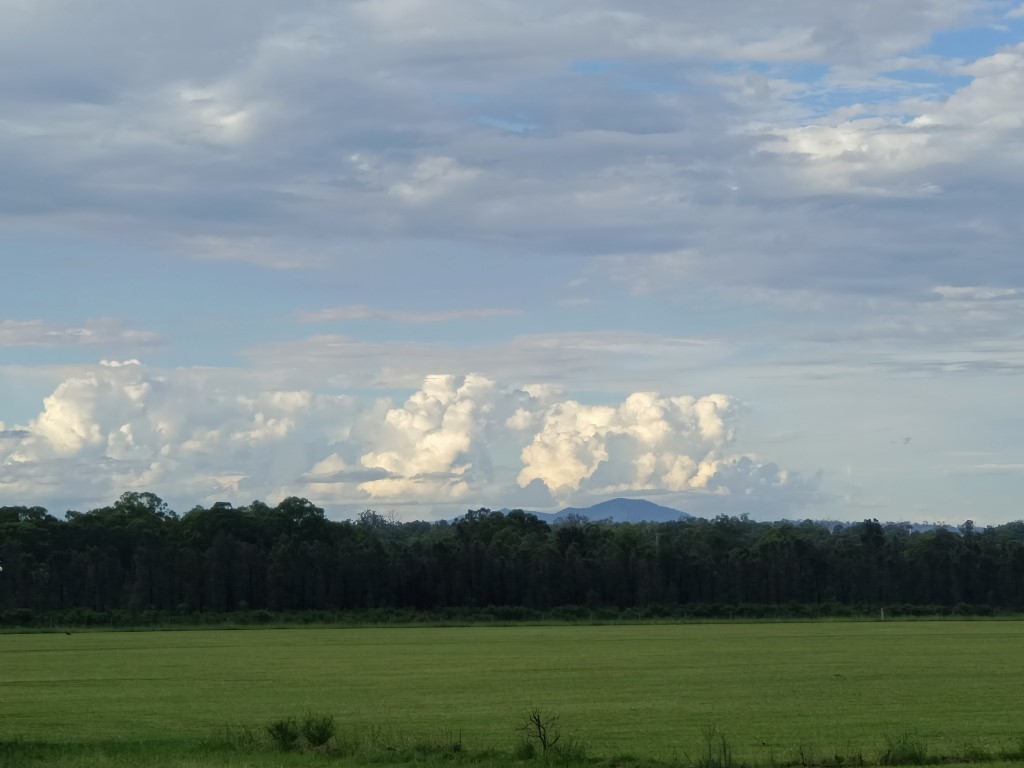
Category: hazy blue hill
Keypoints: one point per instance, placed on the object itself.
(618, 511)
(626, 511)
(641, 511)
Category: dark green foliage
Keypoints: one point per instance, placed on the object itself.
(523, 749)
(284, 734)
(973, 753)
(904, 749)
(1014, 750)
(318, 729)
(136, 563)
(569, 750)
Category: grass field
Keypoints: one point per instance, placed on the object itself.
(778, 691)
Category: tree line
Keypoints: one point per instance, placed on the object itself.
(137, 555)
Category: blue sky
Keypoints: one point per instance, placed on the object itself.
(421, 256)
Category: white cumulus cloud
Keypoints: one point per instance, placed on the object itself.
(119, 426)
(647, 442)
(426, 442)
(197, 435)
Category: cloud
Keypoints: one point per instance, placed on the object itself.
(105, 332)
(303, 133)
(992, 469)
(335, 470)
(362, 312)
(426, 442)
(432, 178)
(648, 442)
(120, 426)
(974, 292)
(649, 273)
(925, 146)
(201, 435)
(260, 251)
(618, 360)
(798, 196)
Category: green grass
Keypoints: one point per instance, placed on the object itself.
(782, 692)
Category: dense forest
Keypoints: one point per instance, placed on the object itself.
(137, 558)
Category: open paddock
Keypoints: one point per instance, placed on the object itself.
(776, 690)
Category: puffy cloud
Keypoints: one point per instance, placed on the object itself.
(195, 432)
(122, 411)
(921, 154)
(648, 442)
(428, 440)
(569, 448)
(194, 435)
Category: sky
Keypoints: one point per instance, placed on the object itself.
(423, 256)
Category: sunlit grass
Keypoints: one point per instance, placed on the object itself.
(779, 692)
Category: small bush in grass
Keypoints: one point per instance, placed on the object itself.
(569, 750)
(905, 749)
(524, 750)
(284, 734)
(318, 729)
(1014, 750)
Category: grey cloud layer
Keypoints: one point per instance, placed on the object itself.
(266, 139)
(606, 361)
(362, 312)
(36, 333)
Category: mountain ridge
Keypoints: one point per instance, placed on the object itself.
(619, 510)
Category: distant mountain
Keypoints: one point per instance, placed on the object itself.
(616, 510)
(624, 511)
(641, 511)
